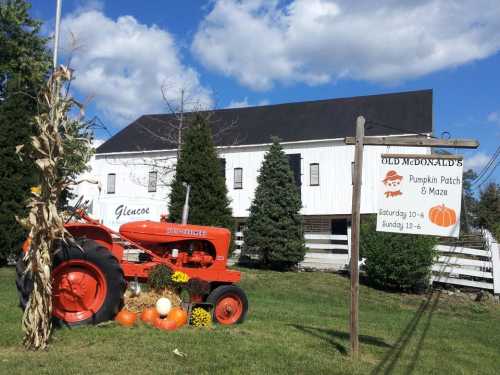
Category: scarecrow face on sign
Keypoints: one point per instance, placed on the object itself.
(392, 182)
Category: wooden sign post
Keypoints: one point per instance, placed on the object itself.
(360, 141)
(355, 227)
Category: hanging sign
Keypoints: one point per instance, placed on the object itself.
(420, 194)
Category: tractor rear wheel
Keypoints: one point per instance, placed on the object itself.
(87, 286)
(230, 304)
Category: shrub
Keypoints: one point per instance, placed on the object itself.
(160, 277)
(396, 261)
(198, 287)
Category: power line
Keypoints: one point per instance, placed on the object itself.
(487, 177)
(487, 166)
(377, 123)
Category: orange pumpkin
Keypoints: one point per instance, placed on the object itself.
(126, 318)
(178, 315)
(165, 324)
(149, 315)
(157, 322)
(442, 216)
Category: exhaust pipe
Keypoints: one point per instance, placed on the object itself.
(185, 210)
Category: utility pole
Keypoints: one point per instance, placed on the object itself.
(359, 142)
(181, 125)
(56, 33)
(355, 224)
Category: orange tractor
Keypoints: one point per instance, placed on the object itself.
(88, 286)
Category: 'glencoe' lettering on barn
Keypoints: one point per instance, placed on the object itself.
(123, 210)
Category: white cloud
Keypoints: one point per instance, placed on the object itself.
(317, 41)
(476, 161)
(96, 142)
(494, 117)
(245, 103)
(124, 63)
(238, 103)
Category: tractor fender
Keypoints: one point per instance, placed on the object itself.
(91, 231)
(98, 234)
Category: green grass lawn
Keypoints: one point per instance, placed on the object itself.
(297, 324)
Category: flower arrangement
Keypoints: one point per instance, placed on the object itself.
(180, 277)
(159, 277)
(201, 317)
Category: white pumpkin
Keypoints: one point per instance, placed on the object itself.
(163, 306)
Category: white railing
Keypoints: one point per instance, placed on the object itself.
(463, 266)
(324, 251)
(494, 249)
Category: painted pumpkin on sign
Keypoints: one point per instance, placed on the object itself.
(442, 216)
(126, 318)
(178, 315)
(149, 315)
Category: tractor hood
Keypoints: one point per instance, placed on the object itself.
(147, 231)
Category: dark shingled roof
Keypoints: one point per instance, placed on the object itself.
(404, 113)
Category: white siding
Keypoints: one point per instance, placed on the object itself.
(331, 197)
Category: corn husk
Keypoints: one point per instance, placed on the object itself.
(44, 223)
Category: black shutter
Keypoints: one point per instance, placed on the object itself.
(294, 161)
(222, 166)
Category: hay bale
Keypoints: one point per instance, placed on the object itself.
(149, 298)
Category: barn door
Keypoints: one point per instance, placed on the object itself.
(294, 161)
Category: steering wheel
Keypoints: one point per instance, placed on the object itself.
(74, 209)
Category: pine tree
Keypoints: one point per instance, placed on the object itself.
(24, 63)
(199, 167)
(275, 227)
(469, 202)
(488, 208)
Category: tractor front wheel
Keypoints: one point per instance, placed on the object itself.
(87, 284)
(230, 304)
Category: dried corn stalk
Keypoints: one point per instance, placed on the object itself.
(43, 222)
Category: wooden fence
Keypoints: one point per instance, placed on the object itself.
(324, 251)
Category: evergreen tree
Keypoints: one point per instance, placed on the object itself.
(24, 63)
(199, 166)
(469, 202)
(275, 227)
(488, 209)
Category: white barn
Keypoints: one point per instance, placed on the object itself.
(133, 167)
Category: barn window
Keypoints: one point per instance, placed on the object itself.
(314, 174)
(238, 178)
(111, 183)
(153, 177)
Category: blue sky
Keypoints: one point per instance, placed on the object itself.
(252, 52)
